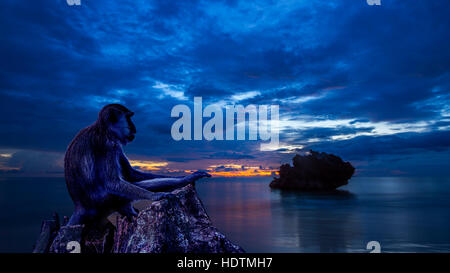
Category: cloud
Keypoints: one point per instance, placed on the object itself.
(334, 68)
(170, 90)
(244, 96)
(230, 155)
(31, 162)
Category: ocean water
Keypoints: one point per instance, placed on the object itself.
(403, 214)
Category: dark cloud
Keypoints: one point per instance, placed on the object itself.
(330, 60)
(32, 162)
(230, 155)
(365, 147)
(324, 133)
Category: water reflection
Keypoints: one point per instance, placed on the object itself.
(240, 209)
(316, 221)
(403, 214)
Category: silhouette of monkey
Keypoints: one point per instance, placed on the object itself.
(99, 177)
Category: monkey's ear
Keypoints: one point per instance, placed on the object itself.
(114, 115)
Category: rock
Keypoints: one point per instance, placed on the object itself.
(314, 172)
(64, 238)
(49, 229)
(177, 224)
(98, 240)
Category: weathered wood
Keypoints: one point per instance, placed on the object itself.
(49, 228)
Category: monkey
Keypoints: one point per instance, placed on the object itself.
(99, 177)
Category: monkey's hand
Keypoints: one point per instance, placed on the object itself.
(196, 176)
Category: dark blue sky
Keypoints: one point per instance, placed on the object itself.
(369, 83)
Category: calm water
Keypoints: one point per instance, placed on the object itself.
(403, 214)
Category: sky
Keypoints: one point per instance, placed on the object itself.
(368, 83)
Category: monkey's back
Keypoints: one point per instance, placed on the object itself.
(80, 169)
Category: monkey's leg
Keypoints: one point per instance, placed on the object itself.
(128, 211)
(163, 184)
(170, 184)
(132, 192)
(80, 215)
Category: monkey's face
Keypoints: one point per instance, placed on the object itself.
(124, 129)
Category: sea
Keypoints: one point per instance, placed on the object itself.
(399, 214)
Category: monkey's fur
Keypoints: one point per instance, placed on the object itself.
(99, 177)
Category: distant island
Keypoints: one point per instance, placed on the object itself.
(314, 171)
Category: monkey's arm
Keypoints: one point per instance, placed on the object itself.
(170, 184)
(132, 175)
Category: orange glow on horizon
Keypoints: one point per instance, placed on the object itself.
(4, 168)
(250, 172)
(244, 173)
(220, 170)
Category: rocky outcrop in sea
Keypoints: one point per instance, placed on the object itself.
(314, 171)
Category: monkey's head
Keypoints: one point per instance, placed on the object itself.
(116, 119)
